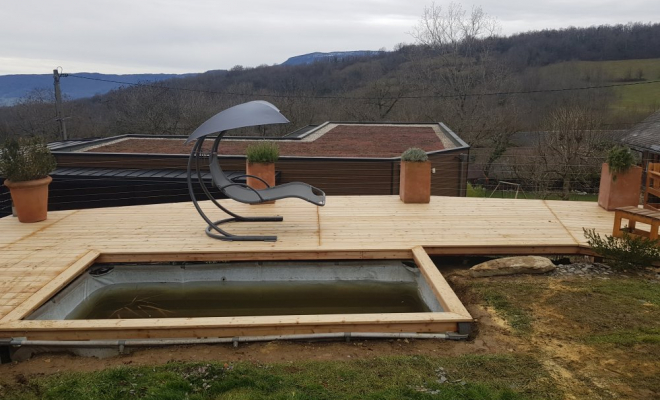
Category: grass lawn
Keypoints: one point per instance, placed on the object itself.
(413, 377)
(479, 191)
(537, 337)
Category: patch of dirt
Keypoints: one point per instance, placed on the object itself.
(266, 352)
(581, 370)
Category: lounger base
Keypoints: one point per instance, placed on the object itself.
(224, 235)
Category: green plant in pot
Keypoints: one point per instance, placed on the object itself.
(620, 159)
(26, 163)
(262, 152)
(261, 158)
(620, 180)
(415, 176)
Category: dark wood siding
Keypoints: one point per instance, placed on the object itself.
(128, 161)
(449, 178)
(334, 176)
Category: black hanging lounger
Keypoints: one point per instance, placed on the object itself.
(243, 115)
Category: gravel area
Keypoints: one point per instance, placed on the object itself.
(583, 269)
(599, 270)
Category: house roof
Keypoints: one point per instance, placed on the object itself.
(300, 132)
(331, 139)
(645, 136)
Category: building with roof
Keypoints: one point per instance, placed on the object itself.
(341, 158)
(645, 138)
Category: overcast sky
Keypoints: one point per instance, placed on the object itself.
(177, 36)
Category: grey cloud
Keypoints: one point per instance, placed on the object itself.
(197, 35)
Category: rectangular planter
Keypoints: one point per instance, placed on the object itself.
(265, 171)
(415, 185)
(624, 191)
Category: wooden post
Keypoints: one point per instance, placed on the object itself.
(58, 103)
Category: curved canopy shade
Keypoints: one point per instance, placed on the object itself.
(252, 113)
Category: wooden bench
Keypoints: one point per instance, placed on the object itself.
(635, 215)
(652, 192)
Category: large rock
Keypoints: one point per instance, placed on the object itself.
(512, 265)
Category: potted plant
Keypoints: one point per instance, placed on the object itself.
(26, 163)
(415, 176)
(261, 159)
(620, 180)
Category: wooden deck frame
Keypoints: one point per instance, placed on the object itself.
(37, 260)
(652, 191)
(51, 289)
(14, 325)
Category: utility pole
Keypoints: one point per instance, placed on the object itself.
(58, 103)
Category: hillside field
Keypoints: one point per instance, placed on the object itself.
(641, 98)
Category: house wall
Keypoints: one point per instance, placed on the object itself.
(335, 176)
(120, 180)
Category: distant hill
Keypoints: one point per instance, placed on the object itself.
(13, 87)
(335, 55)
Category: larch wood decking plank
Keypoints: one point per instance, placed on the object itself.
(33, 255)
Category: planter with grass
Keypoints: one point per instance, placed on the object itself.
(620, 180)
(415, 177)
(26, 163)
(261, 159)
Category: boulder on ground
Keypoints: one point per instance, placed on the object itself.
(512, 265)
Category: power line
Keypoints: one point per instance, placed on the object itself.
(364, 97)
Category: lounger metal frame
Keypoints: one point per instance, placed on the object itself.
(252, 113)
(195, 155)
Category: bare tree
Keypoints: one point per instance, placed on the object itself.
(453, 31)
(463, 66)
(34, 114)
(462, 74)
(296, 102)
(378, 98)
(570, 149)
(155, 111)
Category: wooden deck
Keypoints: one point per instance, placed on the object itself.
(36, 260)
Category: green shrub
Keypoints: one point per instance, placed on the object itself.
(625, 252)
(25, 159)
(263, 152)
(476, 191)
(414, 154)
(620, 159)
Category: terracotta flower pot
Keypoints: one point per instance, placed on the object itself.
(30, 198)
(265, 171)
(415, 183)
(624, 191)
